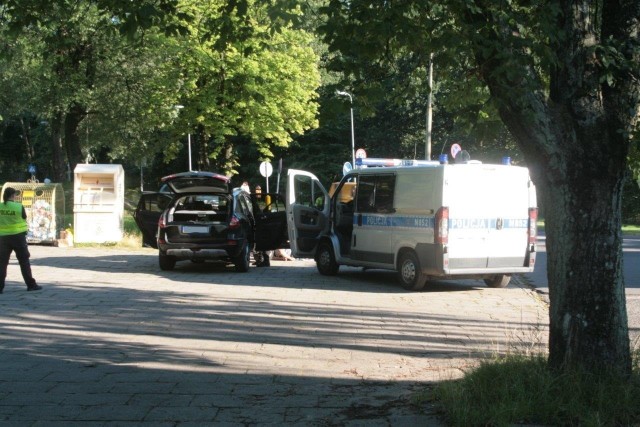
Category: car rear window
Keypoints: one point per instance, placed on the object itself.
(197, 183)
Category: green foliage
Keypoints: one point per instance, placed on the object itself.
(243, 78)
(523, 390)
(386, 51)
(244, 83)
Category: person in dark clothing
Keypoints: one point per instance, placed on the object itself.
(13, 238)
(260, 258)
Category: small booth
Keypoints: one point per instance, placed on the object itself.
(98, 203)
(44, 206)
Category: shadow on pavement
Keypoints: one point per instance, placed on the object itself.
(349, 278)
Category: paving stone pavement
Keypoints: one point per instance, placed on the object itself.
(114, 341)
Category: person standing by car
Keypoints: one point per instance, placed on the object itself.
(13, 237)
(261, 258)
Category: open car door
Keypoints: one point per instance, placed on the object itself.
(147, 214)
(307, 212)
(269, 210)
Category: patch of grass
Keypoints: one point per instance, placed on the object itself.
(522, 389)
(128, 241)
(130, 226)
(631, 229)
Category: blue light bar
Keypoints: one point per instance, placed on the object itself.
(377, 162)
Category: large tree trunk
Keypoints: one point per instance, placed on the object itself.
(579, 169)
(588, 319)
(575, 138)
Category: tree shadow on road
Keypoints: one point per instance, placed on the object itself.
(349, 278)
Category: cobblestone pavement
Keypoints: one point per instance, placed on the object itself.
(112, 340)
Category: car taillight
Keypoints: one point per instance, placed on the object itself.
(162, 223)
(442, 226)
(234, 222)
(533, 226)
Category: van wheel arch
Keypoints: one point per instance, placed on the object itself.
(409, 270)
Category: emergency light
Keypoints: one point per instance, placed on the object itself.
(378, 162)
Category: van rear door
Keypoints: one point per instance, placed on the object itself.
(488, 216)
(307, 206)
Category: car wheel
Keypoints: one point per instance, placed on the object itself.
(410, 273)
(167, 262)
(243, 261)
(326, 260)
(498, 281)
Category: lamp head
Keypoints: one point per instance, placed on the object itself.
(343, 93)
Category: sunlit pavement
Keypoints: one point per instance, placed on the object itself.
(112, 340)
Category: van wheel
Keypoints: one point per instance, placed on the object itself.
(499, 281)
(326, 260)
(243, 260)
(410, 273)
(167, 262)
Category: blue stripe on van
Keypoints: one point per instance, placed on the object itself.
(418, 222)
(396, 221)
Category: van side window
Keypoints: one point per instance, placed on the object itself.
(308, 193)
(385, 186)
(366, 194)
(375, 193)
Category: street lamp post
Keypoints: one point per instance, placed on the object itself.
(427, 148)
(179, 107)
(353, 141)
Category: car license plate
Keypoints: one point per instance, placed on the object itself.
(195, 229)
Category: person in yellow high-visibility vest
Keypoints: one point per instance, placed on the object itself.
(13, 238)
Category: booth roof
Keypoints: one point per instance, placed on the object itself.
(97, 168)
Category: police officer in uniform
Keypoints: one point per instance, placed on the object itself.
(13, 237)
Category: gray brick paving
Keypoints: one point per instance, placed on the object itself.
(113, 341)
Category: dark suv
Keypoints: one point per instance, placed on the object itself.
(198, 216)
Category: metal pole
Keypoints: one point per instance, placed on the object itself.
(353, 137)
(427, 151)
(353, 140)
(189, 141)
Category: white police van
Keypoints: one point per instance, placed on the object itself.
(423, 219)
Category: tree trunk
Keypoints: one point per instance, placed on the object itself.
(588, 318)
(27, 142)
(579, 169)
(56, 148)
(201, 150)
(74, 116)
(574, 133)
